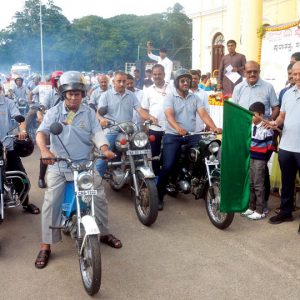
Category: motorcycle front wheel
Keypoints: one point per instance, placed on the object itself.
(90, 265)
(212, 200)
(146, 204)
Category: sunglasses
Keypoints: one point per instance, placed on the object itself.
(185, 80)
(252, 72)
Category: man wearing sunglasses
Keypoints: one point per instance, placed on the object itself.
(180, 108)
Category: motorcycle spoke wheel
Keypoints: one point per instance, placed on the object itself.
(146, 204)
(90, 265)
(212, 199)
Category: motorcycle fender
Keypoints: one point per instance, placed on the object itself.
(146, 171)
(216, 173)
(90, 225)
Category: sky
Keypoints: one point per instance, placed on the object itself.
(73, 9)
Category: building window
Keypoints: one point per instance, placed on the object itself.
(217, 52)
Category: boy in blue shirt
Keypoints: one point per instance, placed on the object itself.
(260, 151)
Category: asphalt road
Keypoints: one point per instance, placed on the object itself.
(182, 256)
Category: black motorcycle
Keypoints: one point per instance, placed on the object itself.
(9, 197)
(198, 172)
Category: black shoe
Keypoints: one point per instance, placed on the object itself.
(299, 230)
(161, 205)
(280, 218)
(42, 184)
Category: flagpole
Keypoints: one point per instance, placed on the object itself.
(41, 35)
(265, 121)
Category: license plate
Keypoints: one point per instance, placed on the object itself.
(1, 162)
(89, 192)
(138, 152)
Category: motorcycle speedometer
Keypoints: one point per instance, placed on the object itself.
(213, 147)
(140, 139)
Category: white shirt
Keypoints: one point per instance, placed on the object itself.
(203, 96)
(136, 117)
(166, 63)
(153, 101)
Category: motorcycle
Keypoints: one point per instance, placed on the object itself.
(78, 217)
(22, 105)
(198, 172)
(9, 197)
(133, 167)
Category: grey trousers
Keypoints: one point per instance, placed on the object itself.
(51, 210)
(257, 185)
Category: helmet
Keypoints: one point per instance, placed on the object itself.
(36, 77)
(24, 148)
(19, 77)
(72, 81)
(181, 73)
(55, 76)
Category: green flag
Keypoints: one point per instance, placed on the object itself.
(235, 158)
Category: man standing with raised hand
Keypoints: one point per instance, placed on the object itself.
(162, 59)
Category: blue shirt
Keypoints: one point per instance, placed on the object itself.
(262, 91)
(185, 110)
(76, 137)
(119, 107)
(8, 110)
(290, 140)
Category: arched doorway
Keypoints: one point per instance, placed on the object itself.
(217, 51)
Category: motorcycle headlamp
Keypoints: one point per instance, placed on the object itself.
(22, 102)
(140, 139)
(85, 181)
(213, 147)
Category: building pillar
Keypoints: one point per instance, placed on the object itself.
(252, 20)
(233, 22)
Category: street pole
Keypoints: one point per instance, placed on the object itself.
(138, 56)
(42, 48)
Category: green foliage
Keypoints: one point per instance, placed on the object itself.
(92, 42)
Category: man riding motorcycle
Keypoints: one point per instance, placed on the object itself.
(82, 131)
(180, 108)
(21, 147)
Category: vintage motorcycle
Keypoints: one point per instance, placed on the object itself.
(78, 217)
(198, 172)
(133, 167)
(9, 197)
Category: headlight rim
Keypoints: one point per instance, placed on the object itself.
(85, 185)
(135, 139)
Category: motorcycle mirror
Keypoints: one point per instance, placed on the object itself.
(19, 118)
(56, 128)
(102, 111)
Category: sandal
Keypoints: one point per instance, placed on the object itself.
(42, 259)
(111, 241)
(31, 208)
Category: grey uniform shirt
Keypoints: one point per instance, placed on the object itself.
(8, 110)
(20, 92)
(185, 110)
(262, 91)
(76, 137)
(95, 96)
(290, 140)
(119, 107)
(50, 99)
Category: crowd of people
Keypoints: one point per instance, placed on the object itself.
(177, 106)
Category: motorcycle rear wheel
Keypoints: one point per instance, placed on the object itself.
(212, 203)
(90, 265)
(146, 205)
